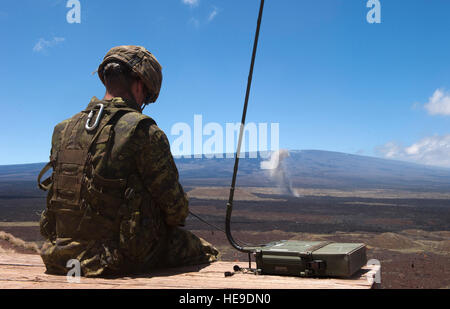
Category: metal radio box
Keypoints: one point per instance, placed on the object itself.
(311, 258)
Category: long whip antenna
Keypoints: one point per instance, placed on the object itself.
(241, 132)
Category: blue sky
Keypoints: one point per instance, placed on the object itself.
(329, 78)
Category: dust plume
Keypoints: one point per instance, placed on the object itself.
(275, 164)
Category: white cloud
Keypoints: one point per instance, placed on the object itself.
(434, 150)
(439, 103)
(43, 44)
(191, 3)
(213, 14)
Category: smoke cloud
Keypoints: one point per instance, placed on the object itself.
(277, 169)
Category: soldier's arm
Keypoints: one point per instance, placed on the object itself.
(160, 174)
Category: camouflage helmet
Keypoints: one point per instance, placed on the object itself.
(142, 62)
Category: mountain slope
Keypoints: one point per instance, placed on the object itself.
(306, 168)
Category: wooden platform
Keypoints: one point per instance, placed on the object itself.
(23, 271)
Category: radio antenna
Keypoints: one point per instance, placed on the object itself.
(241, 132)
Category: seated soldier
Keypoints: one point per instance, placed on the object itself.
(114, 200)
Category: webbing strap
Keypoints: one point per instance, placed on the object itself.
(72, 156)
(45, 185)
(136, 59)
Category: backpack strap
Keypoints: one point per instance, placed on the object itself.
(45, 185)
(78, 157)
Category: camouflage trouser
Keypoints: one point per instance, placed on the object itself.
(183, 248)
(180, 248)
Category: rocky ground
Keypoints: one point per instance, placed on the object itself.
(413, 259)
(407, 231)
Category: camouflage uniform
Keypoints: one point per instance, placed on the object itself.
(115, 202)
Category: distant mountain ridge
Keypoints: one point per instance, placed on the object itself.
(306, 168)
(23, 172)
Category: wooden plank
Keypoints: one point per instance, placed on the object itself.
(20, 259)
(28, 271)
